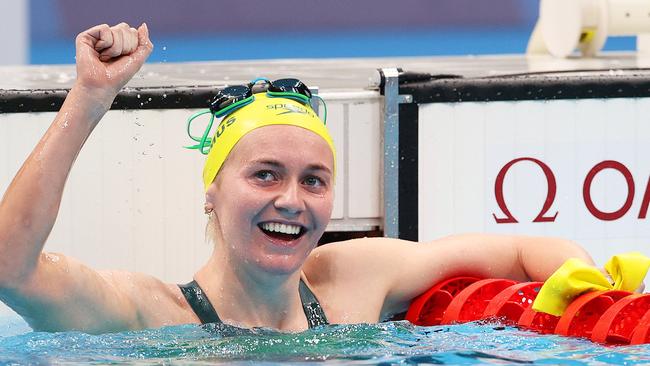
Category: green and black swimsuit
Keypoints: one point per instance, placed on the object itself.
(201, 305)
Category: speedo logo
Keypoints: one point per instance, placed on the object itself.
(289, 108)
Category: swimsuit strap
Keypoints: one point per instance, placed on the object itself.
(201, 305)
(199, 302)
(311, 306)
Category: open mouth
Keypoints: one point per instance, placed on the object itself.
(283, 232)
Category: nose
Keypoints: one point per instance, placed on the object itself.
(289, 200)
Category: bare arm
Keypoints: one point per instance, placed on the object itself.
(519, 258)
(50, 293)
(400, 270)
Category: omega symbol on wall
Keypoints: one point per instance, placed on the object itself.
(545, 216)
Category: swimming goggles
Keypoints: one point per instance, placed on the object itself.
(234, 97)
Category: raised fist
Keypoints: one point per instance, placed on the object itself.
(108, 57)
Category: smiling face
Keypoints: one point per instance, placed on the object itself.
(273, 197)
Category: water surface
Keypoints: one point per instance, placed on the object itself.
(385, 343)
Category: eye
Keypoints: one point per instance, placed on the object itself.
(313, 181)
(265, 175)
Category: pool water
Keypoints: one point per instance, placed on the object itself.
(385, 343)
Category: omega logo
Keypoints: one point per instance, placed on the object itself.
(551, 183)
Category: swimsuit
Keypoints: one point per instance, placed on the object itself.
(201, 305)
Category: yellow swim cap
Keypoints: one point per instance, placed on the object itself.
(263, 111)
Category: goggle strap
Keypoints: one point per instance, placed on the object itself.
(234, 106)
(191, 119)
(204, 143)
(256, 80)
(296, 96)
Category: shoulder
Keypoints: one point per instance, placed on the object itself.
(353, 277)
(364, 249)
(340, 255)
(353, 260)
(343, 253)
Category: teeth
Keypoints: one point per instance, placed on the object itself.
(281, 228)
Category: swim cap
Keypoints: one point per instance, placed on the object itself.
(263, 111)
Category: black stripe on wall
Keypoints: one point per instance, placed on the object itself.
(28, 101)
(408, 171)
(528, 87)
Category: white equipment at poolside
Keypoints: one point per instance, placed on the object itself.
(564, 26)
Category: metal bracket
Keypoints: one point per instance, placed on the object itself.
(392, 100)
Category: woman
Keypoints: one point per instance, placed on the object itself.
(269, 200)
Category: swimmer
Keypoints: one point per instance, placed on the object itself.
(269, 200)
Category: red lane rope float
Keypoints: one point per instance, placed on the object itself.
(427, 308)
(641, 334)
(510, 303)
(614, 316)
(470, 303)
(619, 321)
(537, 321)
(581, 315)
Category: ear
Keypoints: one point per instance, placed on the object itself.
(209, 199)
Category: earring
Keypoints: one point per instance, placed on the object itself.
(208, 211)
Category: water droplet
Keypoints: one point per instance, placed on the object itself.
(52, 257)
